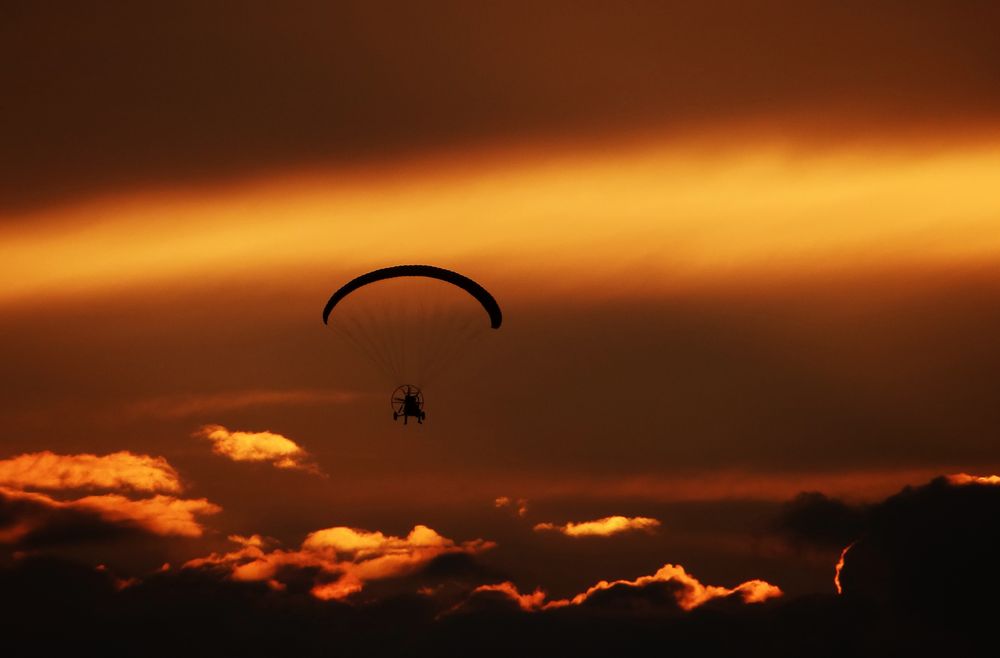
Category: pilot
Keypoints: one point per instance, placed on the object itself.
(411, 407)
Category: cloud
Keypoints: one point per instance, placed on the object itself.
(31, 516)
(609, 525)
(965, 478)
(28, 524)
(161, 515)
(691, 593)
(526, 602)
(815, 519)
(519, 505)
(682, 589)
(119, 470)
(221, 616)
(344, 559)
(36, 519)
(669, 608)
(279, 450)
(929, 547)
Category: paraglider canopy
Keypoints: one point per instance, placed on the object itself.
(465, 283)
(411, 321)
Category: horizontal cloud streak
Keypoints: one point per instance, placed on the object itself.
(669, 201)
(609, 525)
(181, 406)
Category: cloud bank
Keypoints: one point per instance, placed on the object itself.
(181, 406)
(31, 519)
(913, 584)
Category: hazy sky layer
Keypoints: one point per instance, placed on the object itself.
(742, 252)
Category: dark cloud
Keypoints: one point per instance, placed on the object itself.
(198, 613)
(657, 597)
(930, 549)
(927, 552)
(813, 518)
(914, 584)
(41, 526)
(455, 567)
(69, 528)
(29, 525)
(165, 93)
(445, 581)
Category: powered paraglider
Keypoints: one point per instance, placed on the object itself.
(411, 322)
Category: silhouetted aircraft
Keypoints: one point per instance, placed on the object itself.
(408, 402)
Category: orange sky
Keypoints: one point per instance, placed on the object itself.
(742, 253)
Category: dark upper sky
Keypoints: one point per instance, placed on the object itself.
(161, 93)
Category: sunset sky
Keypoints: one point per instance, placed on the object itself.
(743, 250)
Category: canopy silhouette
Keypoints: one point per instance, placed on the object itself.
(465, 283)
